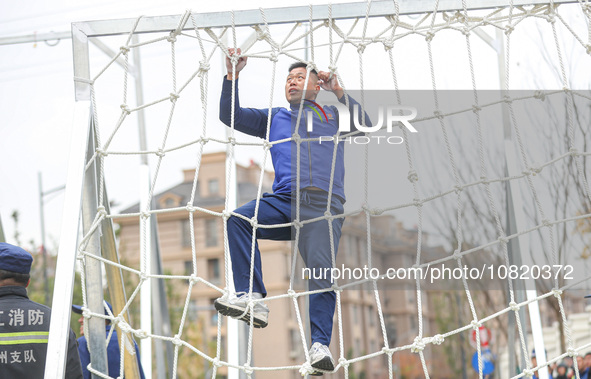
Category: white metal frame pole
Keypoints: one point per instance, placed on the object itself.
(515, 209)
(237, 332)
(59, 328)
(233, 340)
(146, 267)
(233, 328)
(145, 234)
(524, 248)
(147, 245)
(43, 248)
(161, 316)
(514, 252)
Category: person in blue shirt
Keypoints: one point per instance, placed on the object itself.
(113, 351)
(534, 363)
(316, 190)
(585, 367)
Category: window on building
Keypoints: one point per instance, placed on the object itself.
(214, 341)
(213, 187)
(408, 261)
(192, 310)
(185, 233)
(213, 320)
(211, 232)
(169, 203)
(287, 271)
(188, 268)
(392, 329)
(371, 316)
(355, 316)
(349, 248)
(213, 270)
(361, 251)
(294, 340)
(411, 295)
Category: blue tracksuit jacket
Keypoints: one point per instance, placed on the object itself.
(315, 157)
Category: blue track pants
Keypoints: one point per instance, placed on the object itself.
(313, 244)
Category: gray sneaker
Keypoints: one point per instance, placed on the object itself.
(320, 358)
(237, 307)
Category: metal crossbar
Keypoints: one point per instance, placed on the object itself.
(81, 31)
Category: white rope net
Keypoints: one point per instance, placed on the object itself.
(398, 53)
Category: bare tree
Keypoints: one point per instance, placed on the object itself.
(545, 128)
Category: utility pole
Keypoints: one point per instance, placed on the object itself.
(42, 221)
(519, 249)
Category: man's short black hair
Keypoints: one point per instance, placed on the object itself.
(589, 353)
(302, 65)
(16, 276)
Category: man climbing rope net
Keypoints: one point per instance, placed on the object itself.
(315, 190)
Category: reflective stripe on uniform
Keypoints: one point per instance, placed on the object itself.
(24, 337)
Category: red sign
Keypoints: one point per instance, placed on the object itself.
(485, 336)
